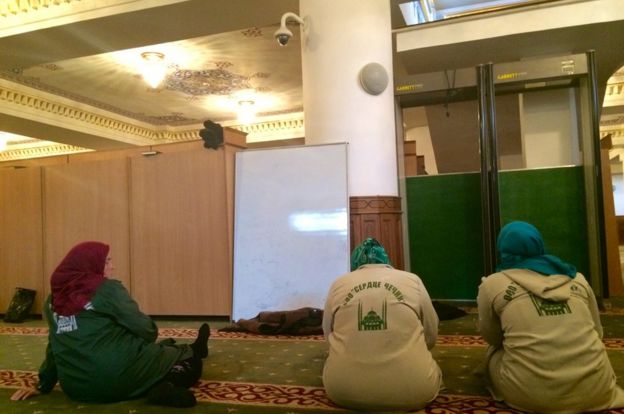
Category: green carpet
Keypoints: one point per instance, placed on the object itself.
(251, 374)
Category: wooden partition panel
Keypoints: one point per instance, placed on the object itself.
(614, 266)
(378, 217)
(20, 234)
(87, 201)
(35, 162)
(179, 233)
(175, 258)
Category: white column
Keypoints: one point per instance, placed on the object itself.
(339, 37)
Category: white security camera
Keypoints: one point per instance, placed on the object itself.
(283, 34)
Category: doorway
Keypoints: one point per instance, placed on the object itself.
(528, 153)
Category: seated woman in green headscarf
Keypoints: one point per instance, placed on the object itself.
(381, 325)
(540, 318)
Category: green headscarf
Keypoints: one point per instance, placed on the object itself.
(370, 251)
(521, 246)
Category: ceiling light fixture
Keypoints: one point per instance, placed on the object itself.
(246, 111)
(153, 68)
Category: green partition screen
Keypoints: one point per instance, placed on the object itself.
(552, 199)
(445, 227)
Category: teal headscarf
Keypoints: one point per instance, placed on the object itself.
(521, 246)
(370, 251)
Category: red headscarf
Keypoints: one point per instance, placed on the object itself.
(78, 276)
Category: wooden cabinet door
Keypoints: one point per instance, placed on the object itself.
(21, 235)
(87, 201)
(179, 233)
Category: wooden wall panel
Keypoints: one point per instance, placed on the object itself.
(87, 201)
(410, 158)
(104, 155)
(182, 241)
(34, 162)
(620, 229)
(21, 237)
(378, 217)
(614, 266)
(179, 233)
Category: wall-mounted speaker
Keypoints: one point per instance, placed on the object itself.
(374, 78)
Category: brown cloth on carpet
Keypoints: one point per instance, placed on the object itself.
(302, 321)
(447, 312)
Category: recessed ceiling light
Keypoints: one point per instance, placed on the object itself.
(153, 69)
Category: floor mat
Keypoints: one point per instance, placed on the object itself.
(256, 374)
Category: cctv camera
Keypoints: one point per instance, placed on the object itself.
(283, 35)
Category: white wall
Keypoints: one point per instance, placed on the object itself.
(617, 181)
(423, 147)
(548, 123)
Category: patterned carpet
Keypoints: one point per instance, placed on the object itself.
(247, 373)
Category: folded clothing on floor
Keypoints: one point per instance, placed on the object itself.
(302, 321)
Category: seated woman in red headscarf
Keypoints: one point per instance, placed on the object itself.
(102, 348)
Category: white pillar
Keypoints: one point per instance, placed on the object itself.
(339, 38)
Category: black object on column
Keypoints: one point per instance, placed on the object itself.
(212, 134)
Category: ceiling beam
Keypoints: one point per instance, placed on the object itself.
(149, 26)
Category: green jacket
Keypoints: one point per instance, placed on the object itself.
(107, 352)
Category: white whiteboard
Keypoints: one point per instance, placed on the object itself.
(291, 227)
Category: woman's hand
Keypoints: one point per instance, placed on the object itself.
(24, 393)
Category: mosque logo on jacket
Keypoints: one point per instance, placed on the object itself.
(372, 321)
(545, 307)
(65, 324)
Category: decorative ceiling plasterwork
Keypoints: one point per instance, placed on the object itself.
(101, 96)
(225, 63)
(41, 108)
(218, 81)
(274, 130)
(18, 16)
(194, 83)
(614, 97)
(32, 82)
(15, 7)
(76, 117)
(40, 151)
(614, 94)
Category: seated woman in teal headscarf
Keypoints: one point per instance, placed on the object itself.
(541, 320)
(380, 324)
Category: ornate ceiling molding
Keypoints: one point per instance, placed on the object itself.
(39, 151)
(258, 132)
(274, 130)
(20, 16)
(15, 7)
(617, 136)
(615, 133)
(37, 106)
(614, 94)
